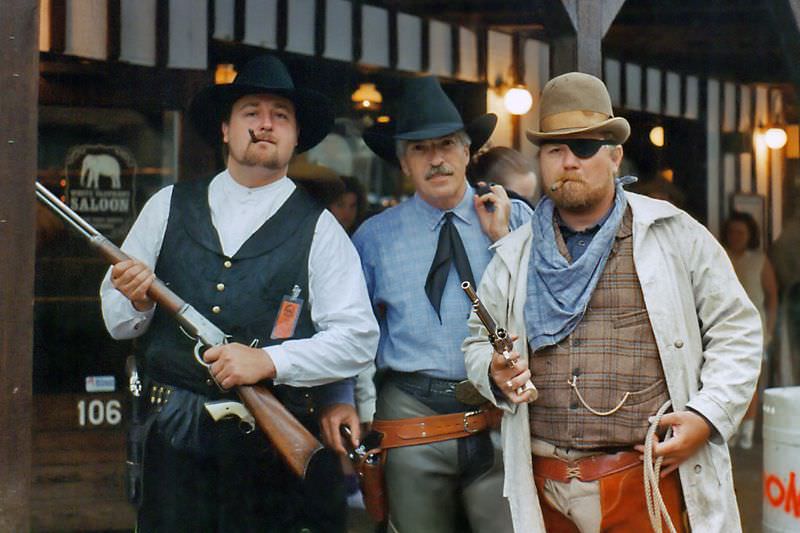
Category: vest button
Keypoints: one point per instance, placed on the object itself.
(227, 263)
(210, 382)
(216, 309)
(220, 287)
(679, 344)
(698, 469)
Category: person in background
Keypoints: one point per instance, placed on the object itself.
(509, 168)
(350, 204)
(741, 239)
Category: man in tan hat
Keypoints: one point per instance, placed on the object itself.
(634, 329)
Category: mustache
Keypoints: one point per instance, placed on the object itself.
(256, 139)
(439, 170)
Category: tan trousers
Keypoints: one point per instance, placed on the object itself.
(614, 504)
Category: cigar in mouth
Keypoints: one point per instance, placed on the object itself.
(253, 136)
(556, 185)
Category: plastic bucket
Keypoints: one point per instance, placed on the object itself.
(781, 480)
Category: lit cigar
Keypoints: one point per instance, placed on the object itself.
(253, 136)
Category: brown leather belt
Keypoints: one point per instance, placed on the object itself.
(437, 428)
(589, 468)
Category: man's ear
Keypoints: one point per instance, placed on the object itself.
(404, 167)
(225, 128)
(616, 156)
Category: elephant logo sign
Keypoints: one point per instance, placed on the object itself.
(101, 186)
(95, 166)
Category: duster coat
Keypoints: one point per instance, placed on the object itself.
(709, 340)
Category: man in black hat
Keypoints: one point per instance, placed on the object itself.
(443, 472)
(273, 269)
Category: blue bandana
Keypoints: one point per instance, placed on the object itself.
(559, 291)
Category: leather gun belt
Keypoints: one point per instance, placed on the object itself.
(437, 428)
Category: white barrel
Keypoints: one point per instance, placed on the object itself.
(781, 479)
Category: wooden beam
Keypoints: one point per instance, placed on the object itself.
(785, 15)
(580, 46)
(19, 79)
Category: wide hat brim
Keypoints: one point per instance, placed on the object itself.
(382, 139)
(314, 111)
(616, 129)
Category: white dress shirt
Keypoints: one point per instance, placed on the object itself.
(347, 333)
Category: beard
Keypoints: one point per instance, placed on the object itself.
(577, 194)
(255, 156)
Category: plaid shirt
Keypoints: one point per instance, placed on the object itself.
(396, 249)
(612, 352)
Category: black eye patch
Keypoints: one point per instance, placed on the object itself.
(582, 148)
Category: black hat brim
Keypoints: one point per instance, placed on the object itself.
(212, 105)
(382, 139)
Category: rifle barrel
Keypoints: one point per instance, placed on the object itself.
(64, 211)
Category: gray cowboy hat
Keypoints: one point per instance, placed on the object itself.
(263, 74)
(574, 104)
(426, 112)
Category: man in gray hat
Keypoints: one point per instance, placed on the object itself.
(443, 471)
(269, 266)
(635, 330)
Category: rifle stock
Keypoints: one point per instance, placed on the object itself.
(293, 442)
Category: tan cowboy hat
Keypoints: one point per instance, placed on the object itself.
(576, 103)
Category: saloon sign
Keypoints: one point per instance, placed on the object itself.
(101, 187)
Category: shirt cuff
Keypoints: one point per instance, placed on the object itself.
(336, 392)
(715, 416)
(284, 367)
(140, 318)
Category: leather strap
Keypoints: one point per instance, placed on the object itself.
(587, 469)
(437, 428)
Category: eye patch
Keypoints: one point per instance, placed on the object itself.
(582, 148)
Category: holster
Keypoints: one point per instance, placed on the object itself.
(372, 479)
(138, 430)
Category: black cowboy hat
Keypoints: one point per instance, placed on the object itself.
(426, 112)
(263, 74)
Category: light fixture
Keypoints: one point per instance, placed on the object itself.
(367, 98)
(657, 136)
(775, 138)
(224, 73)
(384, 119)
(518, 100)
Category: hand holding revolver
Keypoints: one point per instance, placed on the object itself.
(511, 375)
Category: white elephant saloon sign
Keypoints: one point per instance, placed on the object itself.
(101, 187)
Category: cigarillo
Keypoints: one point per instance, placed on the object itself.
(557, 185)
(253, 136)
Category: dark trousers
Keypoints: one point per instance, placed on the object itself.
(243, 487)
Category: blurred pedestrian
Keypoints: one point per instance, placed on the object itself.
(509, 168)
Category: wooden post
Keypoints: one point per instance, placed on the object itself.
(578, 46)
(19, 82)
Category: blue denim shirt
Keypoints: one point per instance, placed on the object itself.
(396, 249)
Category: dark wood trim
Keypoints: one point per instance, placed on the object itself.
(58, 26)
(162, 34)
(211, 23)
(482, 41)
(425, 46)
(320, 11)
(394, 53)
(113, 16)
(19, 78)
(282, 21)
(455, 49)
(357, 40)
(239, 10)
(623, 85)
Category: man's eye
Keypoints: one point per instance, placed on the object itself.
(282, 116)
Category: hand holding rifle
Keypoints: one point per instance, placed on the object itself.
(510, 374)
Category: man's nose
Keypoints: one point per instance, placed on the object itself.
(266, 122)
(570, 159)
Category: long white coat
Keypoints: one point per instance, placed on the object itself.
(709, 340)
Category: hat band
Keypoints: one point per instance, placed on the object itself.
(571, 119)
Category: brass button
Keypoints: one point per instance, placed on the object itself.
(216, 309)
(220, 287)
(227, 263)
(679, 344)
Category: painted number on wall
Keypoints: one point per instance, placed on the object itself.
(99, 412)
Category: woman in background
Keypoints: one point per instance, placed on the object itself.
(741, 238)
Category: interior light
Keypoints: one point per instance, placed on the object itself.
(518, 100)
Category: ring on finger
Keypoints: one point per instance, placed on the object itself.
(510, 385)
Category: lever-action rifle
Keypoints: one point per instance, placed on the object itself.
(295, 444)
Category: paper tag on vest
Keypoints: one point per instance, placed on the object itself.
(288, 315)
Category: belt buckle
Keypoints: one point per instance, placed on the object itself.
(466, 420)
